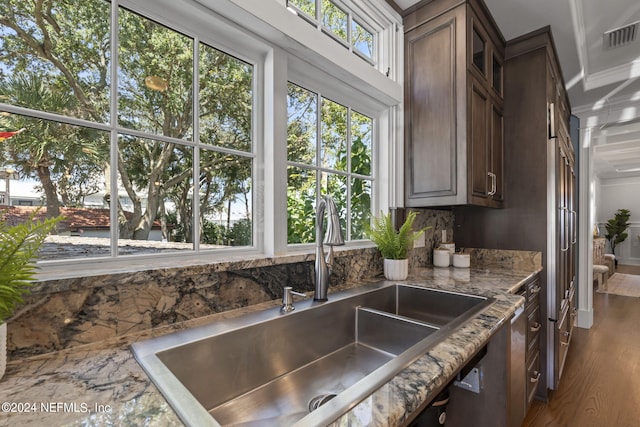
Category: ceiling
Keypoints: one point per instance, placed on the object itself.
(600, 80)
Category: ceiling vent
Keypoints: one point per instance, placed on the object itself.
(621, 36)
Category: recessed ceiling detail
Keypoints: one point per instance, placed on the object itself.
(620, 36)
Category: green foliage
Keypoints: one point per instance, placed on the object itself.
(617, 227)
(57, 58)
(391, 243)
(19, 245)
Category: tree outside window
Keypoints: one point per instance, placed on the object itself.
(329, 152)
(56, 58)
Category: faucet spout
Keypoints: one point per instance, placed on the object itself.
(333, 237)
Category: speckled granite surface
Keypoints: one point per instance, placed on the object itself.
(102, 384)
(69, 307)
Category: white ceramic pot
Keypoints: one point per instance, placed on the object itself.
(3, 348)
(441, 257)
(461, 260)
(396, 269)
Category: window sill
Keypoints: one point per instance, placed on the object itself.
(91, 273)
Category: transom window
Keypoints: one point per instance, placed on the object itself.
(329, 152)
(339, 23)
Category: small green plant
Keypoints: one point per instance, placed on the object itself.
(391, 243)
(19, 246)
(617, 228)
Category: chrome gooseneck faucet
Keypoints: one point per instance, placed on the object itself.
(333, 237)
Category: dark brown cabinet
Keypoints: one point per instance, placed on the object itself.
(453, 106)
(534, 326)
(540, 213)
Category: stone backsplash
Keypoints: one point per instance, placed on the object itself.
(515, 260)
(67, 312)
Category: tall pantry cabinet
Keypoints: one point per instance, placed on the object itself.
(540, 177)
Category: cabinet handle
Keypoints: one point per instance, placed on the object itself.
(535, 327)
(564, 237)
(494, 185)
(535, 377)
(535, 290)
(574, 238)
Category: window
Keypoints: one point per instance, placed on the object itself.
(339, 23)
(329, 152)
(150, 153)
(169, 142)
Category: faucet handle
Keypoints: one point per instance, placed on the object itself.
(287, 299)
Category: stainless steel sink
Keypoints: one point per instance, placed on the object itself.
(308, 366)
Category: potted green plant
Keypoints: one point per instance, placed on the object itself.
(617, 228)
(19, 245)
(394, 244)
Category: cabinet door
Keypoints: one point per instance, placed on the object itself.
(496, 170)
(478, 138)
(434, 53)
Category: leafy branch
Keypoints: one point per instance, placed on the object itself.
(19, 246)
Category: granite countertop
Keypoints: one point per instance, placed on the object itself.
(102, 384)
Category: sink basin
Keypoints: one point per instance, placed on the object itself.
(308, 366)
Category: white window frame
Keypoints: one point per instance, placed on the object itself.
(281, 48)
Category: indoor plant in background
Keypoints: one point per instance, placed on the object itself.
(19, 246)
(617, 228)
(394, 244)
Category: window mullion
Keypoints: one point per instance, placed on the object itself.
(196, 139)
(114, 196)
(348, 201)
(318, 147)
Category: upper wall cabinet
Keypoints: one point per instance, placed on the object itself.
(453, 105)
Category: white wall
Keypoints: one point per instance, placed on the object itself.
(621, 193)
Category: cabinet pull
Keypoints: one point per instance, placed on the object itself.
(494, 185)
(535, 291)
(564, 237)
(574, 238)
(535, 327)
(535, 377)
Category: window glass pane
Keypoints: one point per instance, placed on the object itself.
(155, 195)
(361, 143)
(360, 207)
(225, 200)
(155, 77)
(301, 205)
(334, 19)
(478, 50)
(226, 96)
(335, 186)
(361, 39)
(334, 135)
(62, 168)
(302, 113)
(61, 50)
(307, 6)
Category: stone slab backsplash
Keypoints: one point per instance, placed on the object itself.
(63, 313)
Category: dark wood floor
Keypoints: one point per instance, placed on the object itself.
(600, 386)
